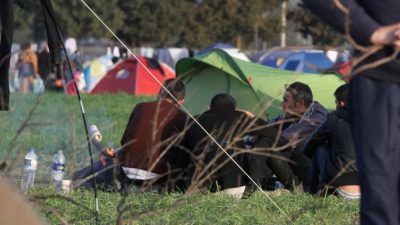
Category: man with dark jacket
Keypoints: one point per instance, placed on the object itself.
(231, 128)
(332, 149)
(374, 103)
(301, 117)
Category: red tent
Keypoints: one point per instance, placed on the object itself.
(131, 77)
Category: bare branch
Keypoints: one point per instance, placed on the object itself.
(377, 63)
(68, 199)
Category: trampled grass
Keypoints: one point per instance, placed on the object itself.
(56, 124)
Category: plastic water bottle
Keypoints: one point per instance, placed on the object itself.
(57, 169)
(30, 165)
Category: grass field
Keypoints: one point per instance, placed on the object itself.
(53, 121)
(152, 208)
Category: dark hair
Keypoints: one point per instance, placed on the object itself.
(223, 101)
(301, 91)
(175, 87)
(25, 46)
(342, 94)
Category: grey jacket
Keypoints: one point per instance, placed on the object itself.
(299, 131)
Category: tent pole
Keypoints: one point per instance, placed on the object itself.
(49, 10)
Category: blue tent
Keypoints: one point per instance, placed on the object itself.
(299, 60)
(220, 45)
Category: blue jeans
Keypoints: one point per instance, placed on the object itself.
(318, 171)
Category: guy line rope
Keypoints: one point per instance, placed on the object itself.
(184, 109)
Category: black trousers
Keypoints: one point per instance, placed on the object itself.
(375, 111)
(301, 166)
(105, 175)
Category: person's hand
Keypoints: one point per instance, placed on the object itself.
(110, 152)
(387, 35)
(248, 113)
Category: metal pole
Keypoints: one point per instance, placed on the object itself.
(47, 7)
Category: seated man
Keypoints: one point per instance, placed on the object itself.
(148, 145)
(332, 149)
(301, 117)
(150, 138)
(229, 127)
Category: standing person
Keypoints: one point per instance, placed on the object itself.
(149, 141)
(374, 103)
(27, 68)
(44, 62)
(74, 56)
(13, 75)
(302, 115)
(332, 148)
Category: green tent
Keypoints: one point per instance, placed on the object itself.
(256, 88)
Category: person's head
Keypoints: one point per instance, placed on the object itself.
(341, 95)
(26, 46)
(43, 47)
(71, 45)
(297, 98)
(175, 87)
(223, 102)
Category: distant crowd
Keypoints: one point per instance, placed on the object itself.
(33, 72)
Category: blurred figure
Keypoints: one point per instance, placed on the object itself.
(27, 68)
(13, 71)
(44, 62)
(76, 66)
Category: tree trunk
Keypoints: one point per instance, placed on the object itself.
(283, 22)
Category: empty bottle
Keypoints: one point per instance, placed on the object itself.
(30, 165)
(57, 169)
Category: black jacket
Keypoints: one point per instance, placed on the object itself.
(365, 17)
(229, 128)
(341, 157)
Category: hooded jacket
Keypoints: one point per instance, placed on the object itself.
(341, 155)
